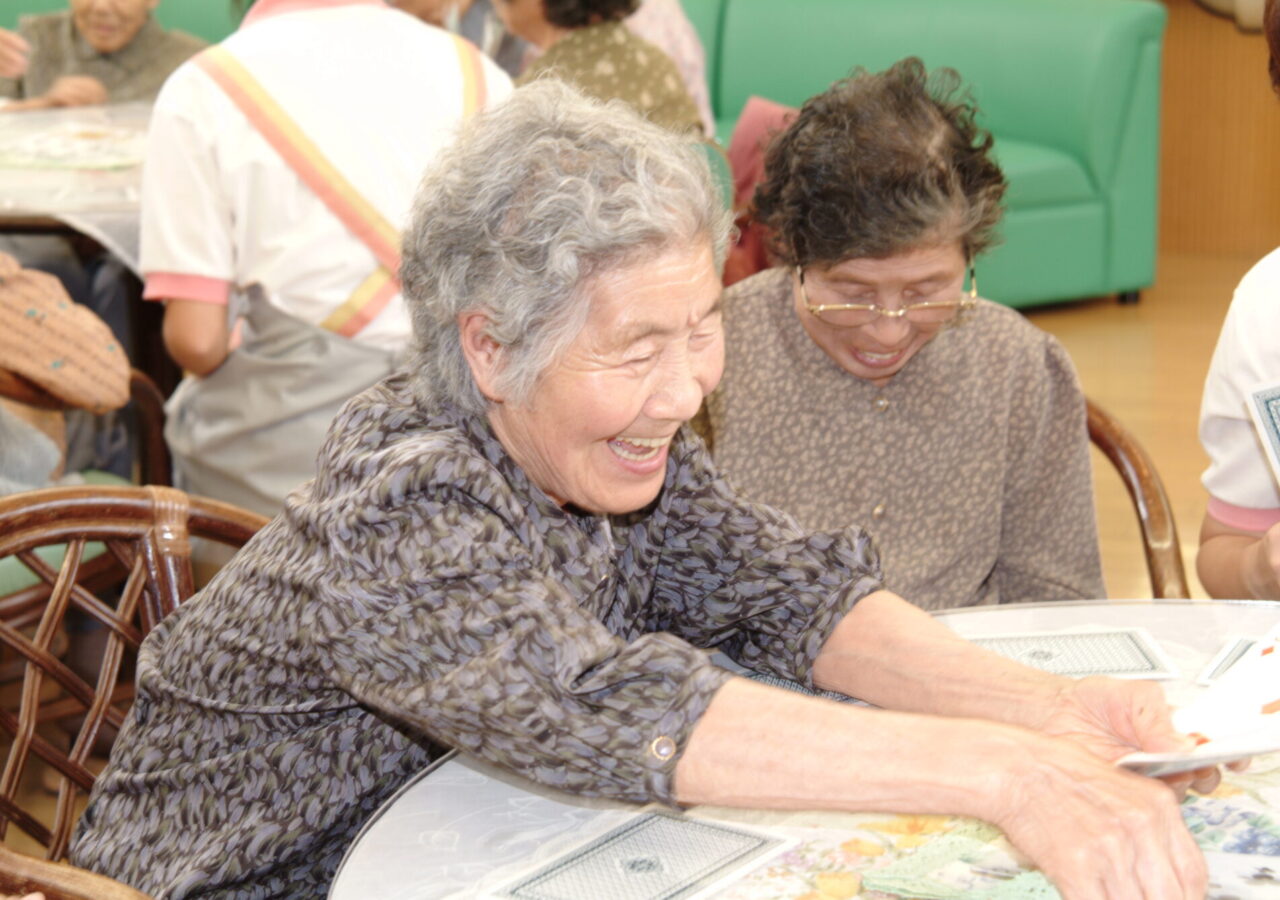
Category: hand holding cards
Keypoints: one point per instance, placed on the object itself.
(1238, 717)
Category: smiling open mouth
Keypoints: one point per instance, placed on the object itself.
(638, 449)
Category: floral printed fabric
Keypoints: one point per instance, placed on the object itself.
(608, 62)
(420, 591)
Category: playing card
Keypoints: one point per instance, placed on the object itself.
(1122, 653)
(1237, 717)
(1225, 658)
(654, 857)
(1264, 409)
(1215, 753)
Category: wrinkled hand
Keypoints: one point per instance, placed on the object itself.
(1096, 831)
(1111, 718)
(76, 90)
(14, 51)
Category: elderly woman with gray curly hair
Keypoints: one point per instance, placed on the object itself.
(517, 549)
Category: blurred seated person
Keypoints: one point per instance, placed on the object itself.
(664, 24)
(476, 21)
(280, 168)
(98, 51)
(758, 124)
(1239, 555)
(514, 547)
(585, 44)
(63, 350)
(866, 382)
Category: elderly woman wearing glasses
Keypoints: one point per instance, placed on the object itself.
(517, 549)
(865, 381)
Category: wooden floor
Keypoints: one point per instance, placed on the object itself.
(1146, 364)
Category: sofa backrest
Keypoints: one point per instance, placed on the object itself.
(211, 20)
(1049, 71)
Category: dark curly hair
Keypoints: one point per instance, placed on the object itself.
(880, 164)
(580, 13)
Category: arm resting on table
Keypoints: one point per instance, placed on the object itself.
(762, 747)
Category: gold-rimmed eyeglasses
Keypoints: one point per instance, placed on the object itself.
(855, 315)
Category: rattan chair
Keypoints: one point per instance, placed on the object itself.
(1151, 503)
(146, 532)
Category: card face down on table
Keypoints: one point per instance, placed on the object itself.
(655, 856)
(1117, 653)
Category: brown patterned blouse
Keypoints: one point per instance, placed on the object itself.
(422, 591)
(970, 467)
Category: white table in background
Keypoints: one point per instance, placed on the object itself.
(100, 203)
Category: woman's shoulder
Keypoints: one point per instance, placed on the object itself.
(995, 344)
(1253, 302)
(45, 30)
(761, 292)
(997, 328)
(389, 440)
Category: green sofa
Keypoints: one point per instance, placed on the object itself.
(1069, 88)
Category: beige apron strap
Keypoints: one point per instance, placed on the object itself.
(337, 193)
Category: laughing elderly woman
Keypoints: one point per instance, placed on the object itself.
(518, 549)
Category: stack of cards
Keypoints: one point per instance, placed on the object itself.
(1237, 717)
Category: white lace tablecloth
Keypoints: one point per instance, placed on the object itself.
(82, 166)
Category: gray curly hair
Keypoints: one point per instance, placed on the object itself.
(536, 197)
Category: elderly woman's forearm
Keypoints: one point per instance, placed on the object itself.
(890, 653)
(762, 747)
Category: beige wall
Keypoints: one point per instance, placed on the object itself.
(1220, 140)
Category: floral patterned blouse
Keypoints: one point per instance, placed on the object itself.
(422, 592)
(608, 62)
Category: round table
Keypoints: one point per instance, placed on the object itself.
(462, 820)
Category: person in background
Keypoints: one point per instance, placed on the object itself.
(865, 382)
(664, 24)
(514, 547)
(585, 44)
(98, 51)
(1239, 554)
(280, 167)
(476, 21)
(65, 351)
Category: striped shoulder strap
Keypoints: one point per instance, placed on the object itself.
(324, 179)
